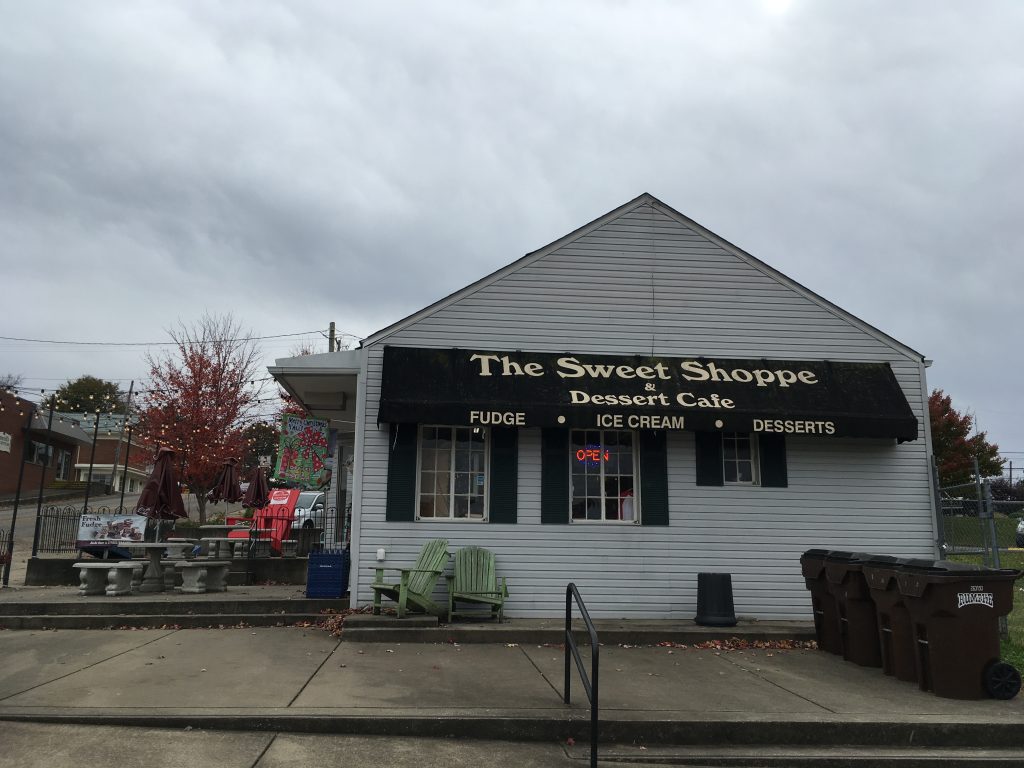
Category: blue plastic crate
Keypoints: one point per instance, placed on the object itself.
(327, 573)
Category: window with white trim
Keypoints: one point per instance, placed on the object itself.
(739, 459)
(452, 473)
(603, 471)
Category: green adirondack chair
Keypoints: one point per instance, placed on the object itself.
(474, 582)
(415, 585)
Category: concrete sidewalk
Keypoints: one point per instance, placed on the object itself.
(295, 680)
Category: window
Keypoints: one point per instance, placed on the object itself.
(603, 475)
(38, 453)
(63, 465)
(739, 458)
(452, 473)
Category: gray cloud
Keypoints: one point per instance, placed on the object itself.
(302, 162)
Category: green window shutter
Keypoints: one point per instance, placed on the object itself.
(554, 476)
(772, 452)
(401, 503)
(504, 474)
(709, 458)
(653, 479)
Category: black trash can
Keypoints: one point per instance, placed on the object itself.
(955, 610)
(826, 616)
(714, 600)
(858, 622)
(895, 631)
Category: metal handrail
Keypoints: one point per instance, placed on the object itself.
(589, 685)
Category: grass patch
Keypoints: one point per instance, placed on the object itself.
(1013, 645)
(961, 531)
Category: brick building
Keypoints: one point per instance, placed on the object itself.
(23, 433)
(112, 432)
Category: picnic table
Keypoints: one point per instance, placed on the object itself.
(154, 578)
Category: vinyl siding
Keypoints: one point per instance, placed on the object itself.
(645, 283)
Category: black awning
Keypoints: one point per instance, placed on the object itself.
(537, 389)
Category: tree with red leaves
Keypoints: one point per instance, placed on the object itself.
(201, 394)
(955, 447)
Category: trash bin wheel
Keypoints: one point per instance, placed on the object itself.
(1002, 680)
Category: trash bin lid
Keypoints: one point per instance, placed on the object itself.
(885, 560)
(817, 553)
(917, 574)
(958, 570)
(920, 564)
(840, 556)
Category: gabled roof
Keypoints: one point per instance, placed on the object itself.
(644, 199)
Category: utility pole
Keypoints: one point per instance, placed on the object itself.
(17, 499)
(92, 461)
(332, 342)
(120, 437)
(124, 477)
(42, 476)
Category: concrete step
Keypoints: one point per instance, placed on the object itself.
(158, 621)
(767, 742)
(172, 604)
(365, 628)
(799, 757)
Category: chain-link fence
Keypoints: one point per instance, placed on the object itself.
(977, 529)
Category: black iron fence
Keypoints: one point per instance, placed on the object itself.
(5, 547)
(56, 530)
(57, 527)
(325, 526)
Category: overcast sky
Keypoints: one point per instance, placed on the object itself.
(302, 162)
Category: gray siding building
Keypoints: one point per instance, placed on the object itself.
(634, 404)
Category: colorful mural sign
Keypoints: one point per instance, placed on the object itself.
(302, 454)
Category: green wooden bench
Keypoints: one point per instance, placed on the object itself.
(415, 585)
(474, 582)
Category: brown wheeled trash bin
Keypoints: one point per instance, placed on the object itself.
(858, 622)
(826, 616)
(895, 631)
(955, 610)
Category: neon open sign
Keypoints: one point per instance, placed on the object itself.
(592, 453)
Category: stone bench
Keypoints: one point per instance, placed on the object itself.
(112, 578)
(198, 576)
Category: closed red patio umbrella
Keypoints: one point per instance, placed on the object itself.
(258, 492)
(161, 495)
(226, 487)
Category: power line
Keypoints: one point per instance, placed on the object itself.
(161, 343)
